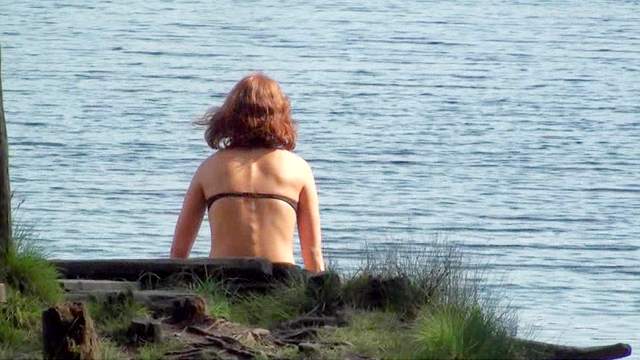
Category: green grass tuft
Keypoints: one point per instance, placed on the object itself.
(403, 282)
(217, 297)
(114, 314)
(453, 332)
(285, 302)
(20, 311)
(462, 319)
(110, 350)
(31, 285)
(156, 351)
(20, 325)
(376, 334)
(438, 296)
(28, 271)
(324, 293)
(19, 353)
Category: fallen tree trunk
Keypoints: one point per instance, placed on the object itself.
(248, 269)
(540, 350)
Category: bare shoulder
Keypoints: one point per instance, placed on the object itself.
(208, 165)
(296, 160)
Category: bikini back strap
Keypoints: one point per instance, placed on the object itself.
(288, 200)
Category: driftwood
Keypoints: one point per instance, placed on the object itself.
(296, 336)
(540, 350)
(68, 333)
(312, 321)
(225, 343)
(304, 330)
(208, 334)
(208, 343)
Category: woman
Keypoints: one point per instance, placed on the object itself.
(254, 188)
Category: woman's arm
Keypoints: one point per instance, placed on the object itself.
(309, 225)
(189, 221)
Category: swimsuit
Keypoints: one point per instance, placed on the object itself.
(288, 200)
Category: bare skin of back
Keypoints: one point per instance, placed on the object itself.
(249, 226)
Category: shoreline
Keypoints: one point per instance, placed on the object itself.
(249, 308)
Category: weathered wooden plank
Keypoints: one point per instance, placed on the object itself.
(84, 285)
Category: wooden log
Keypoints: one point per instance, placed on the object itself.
(541, 350)
(5, 188)
(163, 302)
(245, 269)
(68, 333)
(159, 302)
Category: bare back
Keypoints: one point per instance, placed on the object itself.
(249, 226)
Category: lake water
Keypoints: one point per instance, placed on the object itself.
(511, 128)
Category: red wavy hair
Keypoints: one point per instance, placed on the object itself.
(256, 113)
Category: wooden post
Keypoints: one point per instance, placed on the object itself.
(5, 189)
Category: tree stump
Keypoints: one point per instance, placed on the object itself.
(68, 333)
(191, 310)
(144, 331)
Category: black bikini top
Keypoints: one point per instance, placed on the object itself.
(288, 200)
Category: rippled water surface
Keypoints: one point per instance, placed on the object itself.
(509, 127)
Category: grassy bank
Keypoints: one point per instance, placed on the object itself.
(31, 286)
(419, 306)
